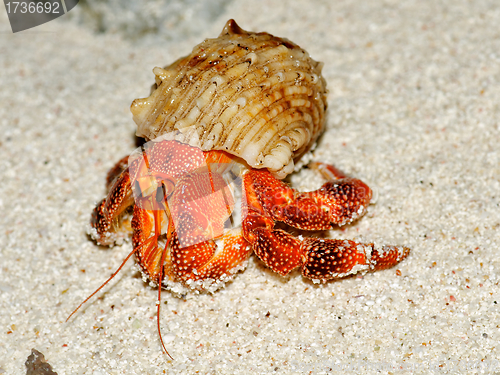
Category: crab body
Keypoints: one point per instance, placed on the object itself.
(178, 200)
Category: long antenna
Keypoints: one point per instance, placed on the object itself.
(159, 300)
(102, 286)
(170, 230)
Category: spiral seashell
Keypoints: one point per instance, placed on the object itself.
(254, 95)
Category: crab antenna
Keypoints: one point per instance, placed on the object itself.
(102, 286)
(170, 230)
(159, 300)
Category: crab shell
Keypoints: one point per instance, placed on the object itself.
(254, 95)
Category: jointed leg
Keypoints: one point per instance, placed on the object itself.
(107, 222)
(331, 259)
(338, 201)
(211, 260)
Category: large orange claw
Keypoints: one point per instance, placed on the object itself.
(339, 201)
(332, 259)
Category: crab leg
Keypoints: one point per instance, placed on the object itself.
(210, 260)
(178, 211)
(115, 172)
(199, 247)
(150, 249)
(161, 257)
(107, 220)
(339, 201)
(203, 260)
(330, 259)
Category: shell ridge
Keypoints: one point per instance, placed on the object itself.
(254, 95)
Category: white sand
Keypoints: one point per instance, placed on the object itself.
(414, 110)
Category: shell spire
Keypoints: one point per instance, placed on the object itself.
(231, 27)
(254, 95)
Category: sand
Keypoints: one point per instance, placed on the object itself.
(413, 110)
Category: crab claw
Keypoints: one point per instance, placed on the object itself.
(339, 201)
(332, 259)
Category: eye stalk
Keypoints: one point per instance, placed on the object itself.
(161, 193)
(153, 192)
(164, 191)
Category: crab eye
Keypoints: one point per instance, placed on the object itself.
(161, 193)
(137, 189)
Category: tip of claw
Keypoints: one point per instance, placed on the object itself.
(375, 195)
(388, 256)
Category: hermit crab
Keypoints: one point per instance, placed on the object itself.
(239, 111)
